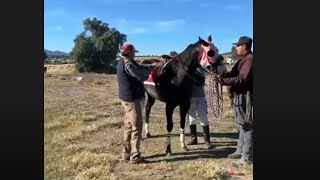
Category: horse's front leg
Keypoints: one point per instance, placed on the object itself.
(149, 104)
(183, 113)
(169, 112)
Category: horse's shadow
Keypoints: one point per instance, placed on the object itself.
(212, 135)
(192, 155)
(163, 136)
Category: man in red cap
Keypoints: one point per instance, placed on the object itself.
(130, 76)
(240, 80)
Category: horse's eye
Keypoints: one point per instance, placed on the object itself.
(210, 53)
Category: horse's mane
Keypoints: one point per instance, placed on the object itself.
(187, 53)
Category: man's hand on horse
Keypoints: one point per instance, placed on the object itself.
(154, 64)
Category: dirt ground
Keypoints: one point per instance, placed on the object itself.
(83, 130)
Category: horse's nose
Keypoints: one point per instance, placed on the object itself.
(208, 67)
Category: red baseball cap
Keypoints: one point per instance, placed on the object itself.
(128, 48)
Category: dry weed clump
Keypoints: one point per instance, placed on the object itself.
(97, 82)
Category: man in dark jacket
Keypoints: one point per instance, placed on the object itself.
(240, 80)
(130, 76)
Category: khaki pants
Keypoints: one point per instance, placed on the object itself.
(132, 129)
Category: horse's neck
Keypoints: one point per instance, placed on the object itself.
(186, 68)
(182, 75)
(177, 67)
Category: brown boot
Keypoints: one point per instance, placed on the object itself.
(138, 160)
(206, 135)
(193, 132)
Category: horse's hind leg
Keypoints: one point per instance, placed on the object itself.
(149, 104)
(183, 113)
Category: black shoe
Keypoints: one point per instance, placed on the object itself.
(209, 145)
(193, 141)
(234, 155)
(241, 162)
(206, 136)
(138, 160)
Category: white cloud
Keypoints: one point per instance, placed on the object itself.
(168, 26)
(170, 23)
(144, 1)
(139, 27)
(59, 28)
(123, 21)
(53, 28)
(183, 1)
(59, 12)
(138, 30)
(233, 7)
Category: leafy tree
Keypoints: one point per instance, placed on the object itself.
(96, 45)
(45, 55)
(234, 53)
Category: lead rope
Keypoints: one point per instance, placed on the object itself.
(215, 97)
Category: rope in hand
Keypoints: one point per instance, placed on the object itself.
(215, 97)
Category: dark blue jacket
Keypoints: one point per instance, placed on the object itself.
(130, 88)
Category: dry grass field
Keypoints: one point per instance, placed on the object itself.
(83, 130)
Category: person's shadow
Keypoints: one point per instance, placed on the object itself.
(233, 135)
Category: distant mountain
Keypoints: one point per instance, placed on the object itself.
(55, 53)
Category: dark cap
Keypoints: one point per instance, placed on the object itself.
(173, 53)
(243, 40)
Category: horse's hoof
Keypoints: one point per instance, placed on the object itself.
(168, 155)
(185, 148)
(148, 135)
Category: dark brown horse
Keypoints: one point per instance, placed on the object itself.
(173, 86)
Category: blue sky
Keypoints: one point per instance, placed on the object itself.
(153, 26)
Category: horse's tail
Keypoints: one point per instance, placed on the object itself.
(143, 104)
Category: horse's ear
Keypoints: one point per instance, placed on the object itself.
(209, 38)
(203, 42)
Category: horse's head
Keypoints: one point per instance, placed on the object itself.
(202, 53)
(208, 53)
(209, 56)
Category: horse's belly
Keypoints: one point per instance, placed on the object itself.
(153, 91)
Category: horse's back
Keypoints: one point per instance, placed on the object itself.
(150, 61)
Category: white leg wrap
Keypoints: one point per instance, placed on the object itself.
(146, 127)
(182, 137)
